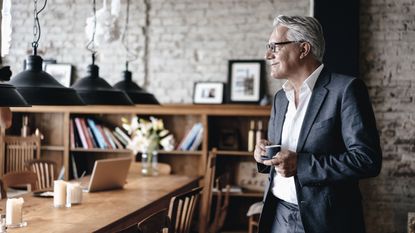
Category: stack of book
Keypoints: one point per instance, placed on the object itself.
(193, 138)
(86, 133)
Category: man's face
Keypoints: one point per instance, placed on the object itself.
(284, 60)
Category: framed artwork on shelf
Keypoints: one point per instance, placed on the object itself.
(61, 72)
(246, 81)
(208, 93)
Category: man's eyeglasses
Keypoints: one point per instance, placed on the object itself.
(275, 47)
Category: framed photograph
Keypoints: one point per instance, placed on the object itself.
(208, 93)
(61, 72)
(246, 81)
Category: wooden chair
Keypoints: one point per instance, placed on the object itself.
(253, 214)
(18, 150)
(181, 210)
(17, 179)
(222, 203)
(46, 172)
(207, 191)
(155, 223)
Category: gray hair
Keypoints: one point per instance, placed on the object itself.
(304, 28)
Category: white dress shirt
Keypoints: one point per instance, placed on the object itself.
(284, 187)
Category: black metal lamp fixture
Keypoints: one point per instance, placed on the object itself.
(9, 96)
(35, 85)
(93, 89)
(137, 94)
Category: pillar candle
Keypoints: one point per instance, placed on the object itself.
(14, 211)
(73, 194)
(59, 193)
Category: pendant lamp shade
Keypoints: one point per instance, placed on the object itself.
(39, 88)
(96, 91)
(137, 94)
(9, 96)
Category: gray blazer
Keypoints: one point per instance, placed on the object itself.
(338, 145)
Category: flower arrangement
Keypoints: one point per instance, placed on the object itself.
(148, 135)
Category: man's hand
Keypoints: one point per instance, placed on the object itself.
(285, 163)
(260, 150)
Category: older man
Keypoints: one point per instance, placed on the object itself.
(326, 127)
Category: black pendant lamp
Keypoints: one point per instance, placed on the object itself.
(137, 94)
(94, 90)
(9, 96)
(35, 85)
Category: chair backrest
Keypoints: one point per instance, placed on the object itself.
(18, 150)
(46, 172)
(155, 223)
(17, 179)
(207, 191)
(181, 210)
(222, 202)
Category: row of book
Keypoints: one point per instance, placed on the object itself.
(86, 133)
(193, 138)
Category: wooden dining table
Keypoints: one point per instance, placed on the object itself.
(105, 211)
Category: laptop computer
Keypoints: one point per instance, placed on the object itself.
(109, 174)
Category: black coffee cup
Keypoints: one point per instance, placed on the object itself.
(271, 151)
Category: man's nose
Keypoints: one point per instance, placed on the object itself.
(269, 55)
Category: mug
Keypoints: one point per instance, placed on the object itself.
(271, 151)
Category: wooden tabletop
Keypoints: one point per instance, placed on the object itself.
(105, 211)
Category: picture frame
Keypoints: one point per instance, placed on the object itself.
(61, 72)
(246, 81)
(208, 93)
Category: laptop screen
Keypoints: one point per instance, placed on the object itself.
(109, 174)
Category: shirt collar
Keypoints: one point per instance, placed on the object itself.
(309, 82)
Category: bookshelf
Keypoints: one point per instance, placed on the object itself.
(220, 122)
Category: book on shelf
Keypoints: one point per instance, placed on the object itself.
(111, 141)
(81, 133)
(74, 168)
(190, 137)
(105, 137)
(101, 142)
(87, 133)
(72, 134)
(123, 135)
(61, 173)
(198, 140)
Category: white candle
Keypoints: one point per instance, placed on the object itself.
(14, 211)
(59, 193)
(73, 194)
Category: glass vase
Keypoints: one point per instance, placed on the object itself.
(149, 162)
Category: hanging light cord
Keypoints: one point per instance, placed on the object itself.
(130, 56)
(91, 44)
(36, 26)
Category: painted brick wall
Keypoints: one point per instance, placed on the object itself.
(191, 40)
(387, 62)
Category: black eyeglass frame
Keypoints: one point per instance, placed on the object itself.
(273, 45)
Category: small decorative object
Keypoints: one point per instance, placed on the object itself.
(59, 193)
(208, 93)
(245, 81)
(14, 212)
(61, 72)
(248, 178)
(146, 137)
(228, 139)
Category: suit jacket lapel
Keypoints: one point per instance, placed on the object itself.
(317, 98)
(281, 109)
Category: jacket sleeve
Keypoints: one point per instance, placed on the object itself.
(362, 157)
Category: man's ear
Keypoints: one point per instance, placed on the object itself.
(305, 49)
